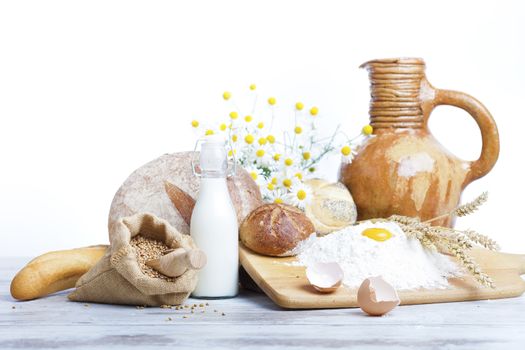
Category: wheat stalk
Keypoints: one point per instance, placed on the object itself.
(465, 209)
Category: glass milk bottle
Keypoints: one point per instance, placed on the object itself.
(214, 225)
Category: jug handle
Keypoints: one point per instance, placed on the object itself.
(487, 125)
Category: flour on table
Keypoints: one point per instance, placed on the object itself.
(402, 261)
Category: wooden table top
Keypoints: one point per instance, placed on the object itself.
(252, 321)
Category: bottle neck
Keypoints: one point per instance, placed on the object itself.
(395, 86)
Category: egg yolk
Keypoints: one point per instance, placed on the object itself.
(377, 234)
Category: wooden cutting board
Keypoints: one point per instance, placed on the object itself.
(288, 287)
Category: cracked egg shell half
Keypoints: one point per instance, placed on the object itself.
(376, 296)
(325, 277)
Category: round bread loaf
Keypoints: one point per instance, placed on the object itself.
(275, 229)
(145, 191)
(331, 207)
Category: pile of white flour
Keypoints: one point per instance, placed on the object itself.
(403, 262)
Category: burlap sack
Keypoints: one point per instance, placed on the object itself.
(117, 277)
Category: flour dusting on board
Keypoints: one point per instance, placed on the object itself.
(402, 261)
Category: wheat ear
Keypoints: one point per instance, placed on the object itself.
(465, 209)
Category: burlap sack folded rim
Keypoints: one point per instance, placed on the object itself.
(123, 256)
(119, 264)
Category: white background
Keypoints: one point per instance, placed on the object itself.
(91, 90)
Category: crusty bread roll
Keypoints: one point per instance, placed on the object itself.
(148, 189)
(275, 229)
(54, 271)
(331, 207)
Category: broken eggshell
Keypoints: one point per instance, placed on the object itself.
(325, 277)
(376, 296)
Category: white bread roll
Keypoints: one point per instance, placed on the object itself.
(332, 206)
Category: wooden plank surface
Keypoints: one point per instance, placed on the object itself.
(252, 321)
(288, 287)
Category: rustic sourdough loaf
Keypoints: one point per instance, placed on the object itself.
(148, 188)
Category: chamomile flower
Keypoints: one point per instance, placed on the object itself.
(299, 195)
(286, 179)
(290, 160)
(275, 196)
(262, 157)
(367, 130)
(249, 138)
(347, 153)
(256, 174)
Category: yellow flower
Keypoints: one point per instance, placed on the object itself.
(306, 155)
(301, 195)
(234, 115)
(262, 141)
(346, 150)
(270, 186)
(299, 176)
(208, 132)
(272, 101)
(314, 111)
(222, 127)
(299, 106)
(232, 152)
(253, 87)
(276, 157)
(226, 95)
(278, 200)
(260, 125)
(235, 138)
(270, 138)
(195, 123)
(253, 174)
(287, 183)
(288, 162)
(248, 139)
(248, 118)
(274, 180)
(298, 130)
(260, 153)
(368, 130)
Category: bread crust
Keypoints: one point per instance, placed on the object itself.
(275, 229)
(54, 271)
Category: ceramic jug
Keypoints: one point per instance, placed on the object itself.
(403, 169)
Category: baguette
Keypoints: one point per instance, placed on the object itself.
(54, 271)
